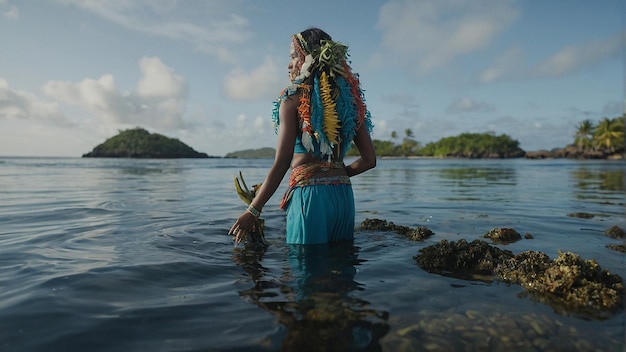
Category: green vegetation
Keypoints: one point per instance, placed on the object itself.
(263, 153)
(475, 145)
(139, 143)
(466, 145)
(607, 135)
(605, 138)
(408, 146)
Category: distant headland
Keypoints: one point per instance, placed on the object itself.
(604, 140)
(139, 143)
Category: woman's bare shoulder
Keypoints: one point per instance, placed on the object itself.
(291, 103)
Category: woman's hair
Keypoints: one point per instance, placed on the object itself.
(331, 103)
(314, 36)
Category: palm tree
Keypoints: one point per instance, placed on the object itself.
(408, 134)
(409, 146)
(584, 134)
(609, 134)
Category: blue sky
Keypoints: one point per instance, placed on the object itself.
(75, 72)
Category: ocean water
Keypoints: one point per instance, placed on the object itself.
(133, 255)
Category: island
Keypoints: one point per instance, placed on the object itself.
(605, 139)
(602, 140)
(139, 143)
(466, 145)
(261, 153)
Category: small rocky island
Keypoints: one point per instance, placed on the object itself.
(139, 143)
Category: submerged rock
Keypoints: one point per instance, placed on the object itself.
(461, 259)
(503, 235)
(614, 232)
(417, 234)
(580, 215)
(617, 247)
(485, 329)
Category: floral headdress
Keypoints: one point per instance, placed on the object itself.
(332, 104)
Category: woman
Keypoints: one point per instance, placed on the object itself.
(316, 118)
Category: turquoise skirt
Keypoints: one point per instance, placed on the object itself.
(320, 214)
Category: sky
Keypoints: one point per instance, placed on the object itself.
(76, 72)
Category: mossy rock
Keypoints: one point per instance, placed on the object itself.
(617, 247)
(462, 259)
(614, 232)
(503, 235)
(569, 282)
(419, 233)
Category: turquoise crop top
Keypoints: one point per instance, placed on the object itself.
(300, 149)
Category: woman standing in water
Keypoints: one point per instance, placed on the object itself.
(317, 117)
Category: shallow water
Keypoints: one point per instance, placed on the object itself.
(129, 255)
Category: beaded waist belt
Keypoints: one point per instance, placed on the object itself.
(304, 175)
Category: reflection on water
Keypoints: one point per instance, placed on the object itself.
(314, 298)
(469, 184)
(480, 175)
(606, 180)
(606, 186)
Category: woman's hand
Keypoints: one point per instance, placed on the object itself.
(245, 223)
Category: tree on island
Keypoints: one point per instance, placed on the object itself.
(609, 134)
(466, 145)
(584, 134)
(606, 140)
(475, 145)
(139, 143)
(409, 145)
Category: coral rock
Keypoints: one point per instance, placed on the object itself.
(614, 232)
(568, 281)
(417, 234)
(461, 259)
(505, 235)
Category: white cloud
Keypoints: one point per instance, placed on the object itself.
(207, 25)
(159, 102)
(261, 83)
(510, 64)
(159, 80)
(575, 57)
(92, 95)
(513, 64)
(462, 105)
(433, 33)
(23, 105)
(12, 13)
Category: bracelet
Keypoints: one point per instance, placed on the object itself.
(254, 211)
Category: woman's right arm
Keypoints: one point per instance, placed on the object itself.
(287, 130)
(367, 159)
